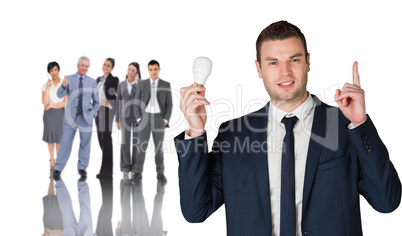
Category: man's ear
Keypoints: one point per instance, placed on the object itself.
(308, 62)
(257, 64)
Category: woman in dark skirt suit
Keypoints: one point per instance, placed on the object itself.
(54, 111)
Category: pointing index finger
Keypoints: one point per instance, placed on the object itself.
(356, 77)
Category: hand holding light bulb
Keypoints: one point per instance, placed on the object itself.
(192, 98)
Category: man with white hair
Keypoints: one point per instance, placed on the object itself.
(82, 107)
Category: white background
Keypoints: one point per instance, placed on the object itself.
(34, 33)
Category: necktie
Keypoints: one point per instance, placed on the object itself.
(288, 208)
(80, 86)
(153, 94)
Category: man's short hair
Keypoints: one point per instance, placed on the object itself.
(153, 62)
(83, 58)
(278, 31)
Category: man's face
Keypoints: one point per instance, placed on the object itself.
(284, 70)
(153, 71)
(83, 67)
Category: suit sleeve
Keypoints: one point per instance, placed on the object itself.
(95, 100)
(168, 103)
(118, 104)
(379, 182)
(200, 177)
(62, 92)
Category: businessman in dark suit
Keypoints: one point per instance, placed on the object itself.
(152, 111)
(107, 87)
(328, 156)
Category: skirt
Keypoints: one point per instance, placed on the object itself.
(53, 125)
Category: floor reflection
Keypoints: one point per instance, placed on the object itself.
(134, 219)
(52, 218)
(71, 226)
(104, 225)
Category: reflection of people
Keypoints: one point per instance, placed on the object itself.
(52, 218)
(54, 111)
(104, 225)
(139, 223)
(107, 87)
(153, 114)
(82, 107)
(70, 225)
(125, 118)
(310, 185)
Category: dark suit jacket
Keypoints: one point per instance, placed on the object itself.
(341, 164)
(110, 88)
(163, 96)
(125, 101)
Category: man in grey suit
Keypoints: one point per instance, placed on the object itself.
(82, 107)
(153, 111)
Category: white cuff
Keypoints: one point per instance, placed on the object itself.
(351, 126)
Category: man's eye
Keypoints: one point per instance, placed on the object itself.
(295, 60)
(273, 63)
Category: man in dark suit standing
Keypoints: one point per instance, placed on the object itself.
(153, 111)
(107, 87)
(328, 156)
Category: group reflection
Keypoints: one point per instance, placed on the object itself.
(134, 217)
(71, 226)
(59, 218)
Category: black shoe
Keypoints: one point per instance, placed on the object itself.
(161, 179)
(103, 176)
(56, 175)
(82, 173)
(137, 178)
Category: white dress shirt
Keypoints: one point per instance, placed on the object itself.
(153, 109)
(130, 86)
(276, 133)
(101, 90)
(53, 98)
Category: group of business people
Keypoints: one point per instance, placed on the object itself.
(141, 107)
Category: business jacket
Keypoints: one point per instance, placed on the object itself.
(163, 97)
(110, 88)
(125, 102)
(341, 164)
(90, 98)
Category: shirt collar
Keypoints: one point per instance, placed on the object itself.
(83, 77)
(301, 112)
(156, 82)
(134, 82)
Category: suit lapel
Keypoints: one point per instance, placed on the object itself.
(158, 90)
(125, 94)
(260, 123)
(147, 90)
(321, 120)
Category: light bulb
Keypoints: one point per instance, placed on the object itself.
(201, 69)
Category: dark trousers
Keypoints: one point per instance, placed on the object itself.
(150, 123)
(129, 141)
(104, 125)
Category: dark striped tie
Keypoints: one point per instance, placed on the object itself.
(80, 89)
